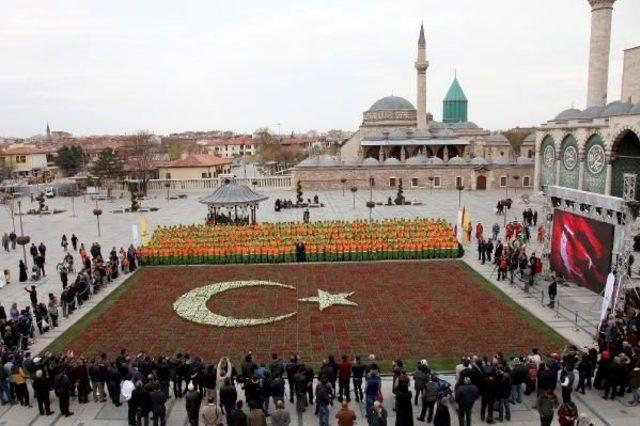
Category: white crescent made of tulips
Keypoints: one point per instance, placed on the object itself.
(192, 305)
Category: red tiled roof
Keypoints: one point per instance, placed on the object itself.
(196, 160)
(23, 150)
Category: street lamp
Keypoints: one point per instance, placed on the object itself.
(353, 191)
(168, 186)
(431, 178)
(22, 240)
(460, 188)
(370, 188)
(343, 181)
(370, 205)
(97, 212)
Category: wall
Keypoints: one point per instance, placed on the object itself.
(191, 172)
(318, 178)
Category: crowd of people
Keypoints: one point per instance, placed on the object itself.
(253, 390)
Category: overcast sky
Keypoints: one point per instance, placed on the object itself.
(117, 66)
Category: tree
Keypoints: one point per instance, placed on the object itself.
(108, 168)
(399, 197)
(299, 192)
(70, 159)
(140, 158)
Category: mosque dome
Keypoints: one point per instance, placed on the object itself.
(478, 161)
(392, 103)
(457, 160)
(370, 161)
(447, 133)
(308, 162)
(435, 160)
(327, 161)
(374, 135)
(635, 110)
(397, 135)
(465, 125)
(436, 126)
(616, 108)
(524, 160)
(416, 160)
(391, 161)
(421, 134)
(570, 114)
(497, 138)
(593, 111)
(349, 162)
(531, 138)
(501, 159)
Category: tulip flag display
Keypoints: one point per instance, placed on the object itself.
(324, 241)
(405, 310)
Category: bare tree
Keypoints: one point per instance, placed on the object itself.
(139, 156)
(9, 202)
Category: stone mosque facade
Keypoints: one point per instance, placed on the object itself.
(591, 149)
(399, 142)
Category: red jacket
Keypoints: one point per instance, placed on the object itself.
(344, 371)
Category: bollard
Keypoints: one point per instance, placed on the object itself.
(577, 328)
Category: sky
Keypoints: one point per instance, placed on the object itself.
(119, 66)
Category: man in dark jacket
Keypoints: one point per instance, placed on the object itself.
(62, 386)
(113, 384)
(518, 376)
(292, 369)
(192, 400)
(158, 408)
(41, 388)
(228, 398)
(237, 417)
(466, 396)
(429, 397)
(489, 392)
(553, 292)
(503, 388)
(142, 403)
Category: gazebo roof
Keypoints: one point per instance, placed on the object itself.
(232, 194)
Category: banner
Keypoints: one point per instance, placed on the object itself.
(144, 230)
(135, 235)
(459, 226)
(608, 295)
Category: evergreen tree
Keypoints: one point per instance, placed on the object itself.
(108, 168)
(299, 192)
(70, 159)
(399, 197)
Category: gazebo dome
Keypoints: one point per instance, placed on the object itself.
(370, 161)
(392, 103)
(497, 139)
(593, 111)
(349, 162)
(231, 194)
(416, 160)
(456, 160)
(479, 161)
(374, 135)
(397, 135)
(308, 162)
(391, 161)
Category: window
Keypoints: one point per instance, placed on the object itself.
(167, 175)
(459, 181)
(204, 175)
(436, 181)
(414, 182)
(503, 181)
(529, 154)
(21, 158)
(372, 182)
(501, 153)
(526, 181)
(392, 182)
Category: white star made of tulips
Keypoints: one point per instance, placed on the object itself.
(326, 299)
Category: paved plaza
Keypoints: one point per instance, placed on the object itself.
(116, 231)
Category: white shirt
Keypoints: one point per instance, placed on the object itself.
(127, 389)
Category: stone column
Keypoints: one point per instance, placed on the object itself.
(581, 170)
(601, 11)
(537, 171)
(557, 177)
(403, 154)
(607, 184)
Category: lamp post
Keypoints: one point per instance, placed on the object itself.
(370, 188)
(506, 188)
(431, 178)
(370, 205)
(97, 212)
(343, 181)
(460, 188)
(353, 191)
(23, 240)
(168, 186)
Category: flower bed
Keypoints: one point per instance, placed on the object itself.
(324, 241)
(408, 310)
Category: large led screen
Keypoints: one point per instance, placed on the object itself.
(581, 249)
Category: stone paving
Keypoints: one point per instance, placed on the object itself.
(116, 231)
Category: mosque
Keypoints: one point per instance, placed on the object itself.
(399, 142)
(592, 149)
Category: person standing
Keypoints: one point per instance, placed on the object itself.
(22, 276)
(142, 402)
(256, 415)
(127, 390)
(192, 400)
(466, 396)
(567, 414)
(64, 243)
(546, 404)
(62, 386)
(553, 292)
(228, 398)
(404, 409)
(42, 249)
(357, 372)
(323, 400)
(344, 379)
(429, 397)
(210, 413)
(567, 377)
(280, 417)
(300, 382)
(346, 416)
(158, 408)
(237, 416)
(442, 417)
(41, 389)
(113, 384)
(503, 388)
(74, 242)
